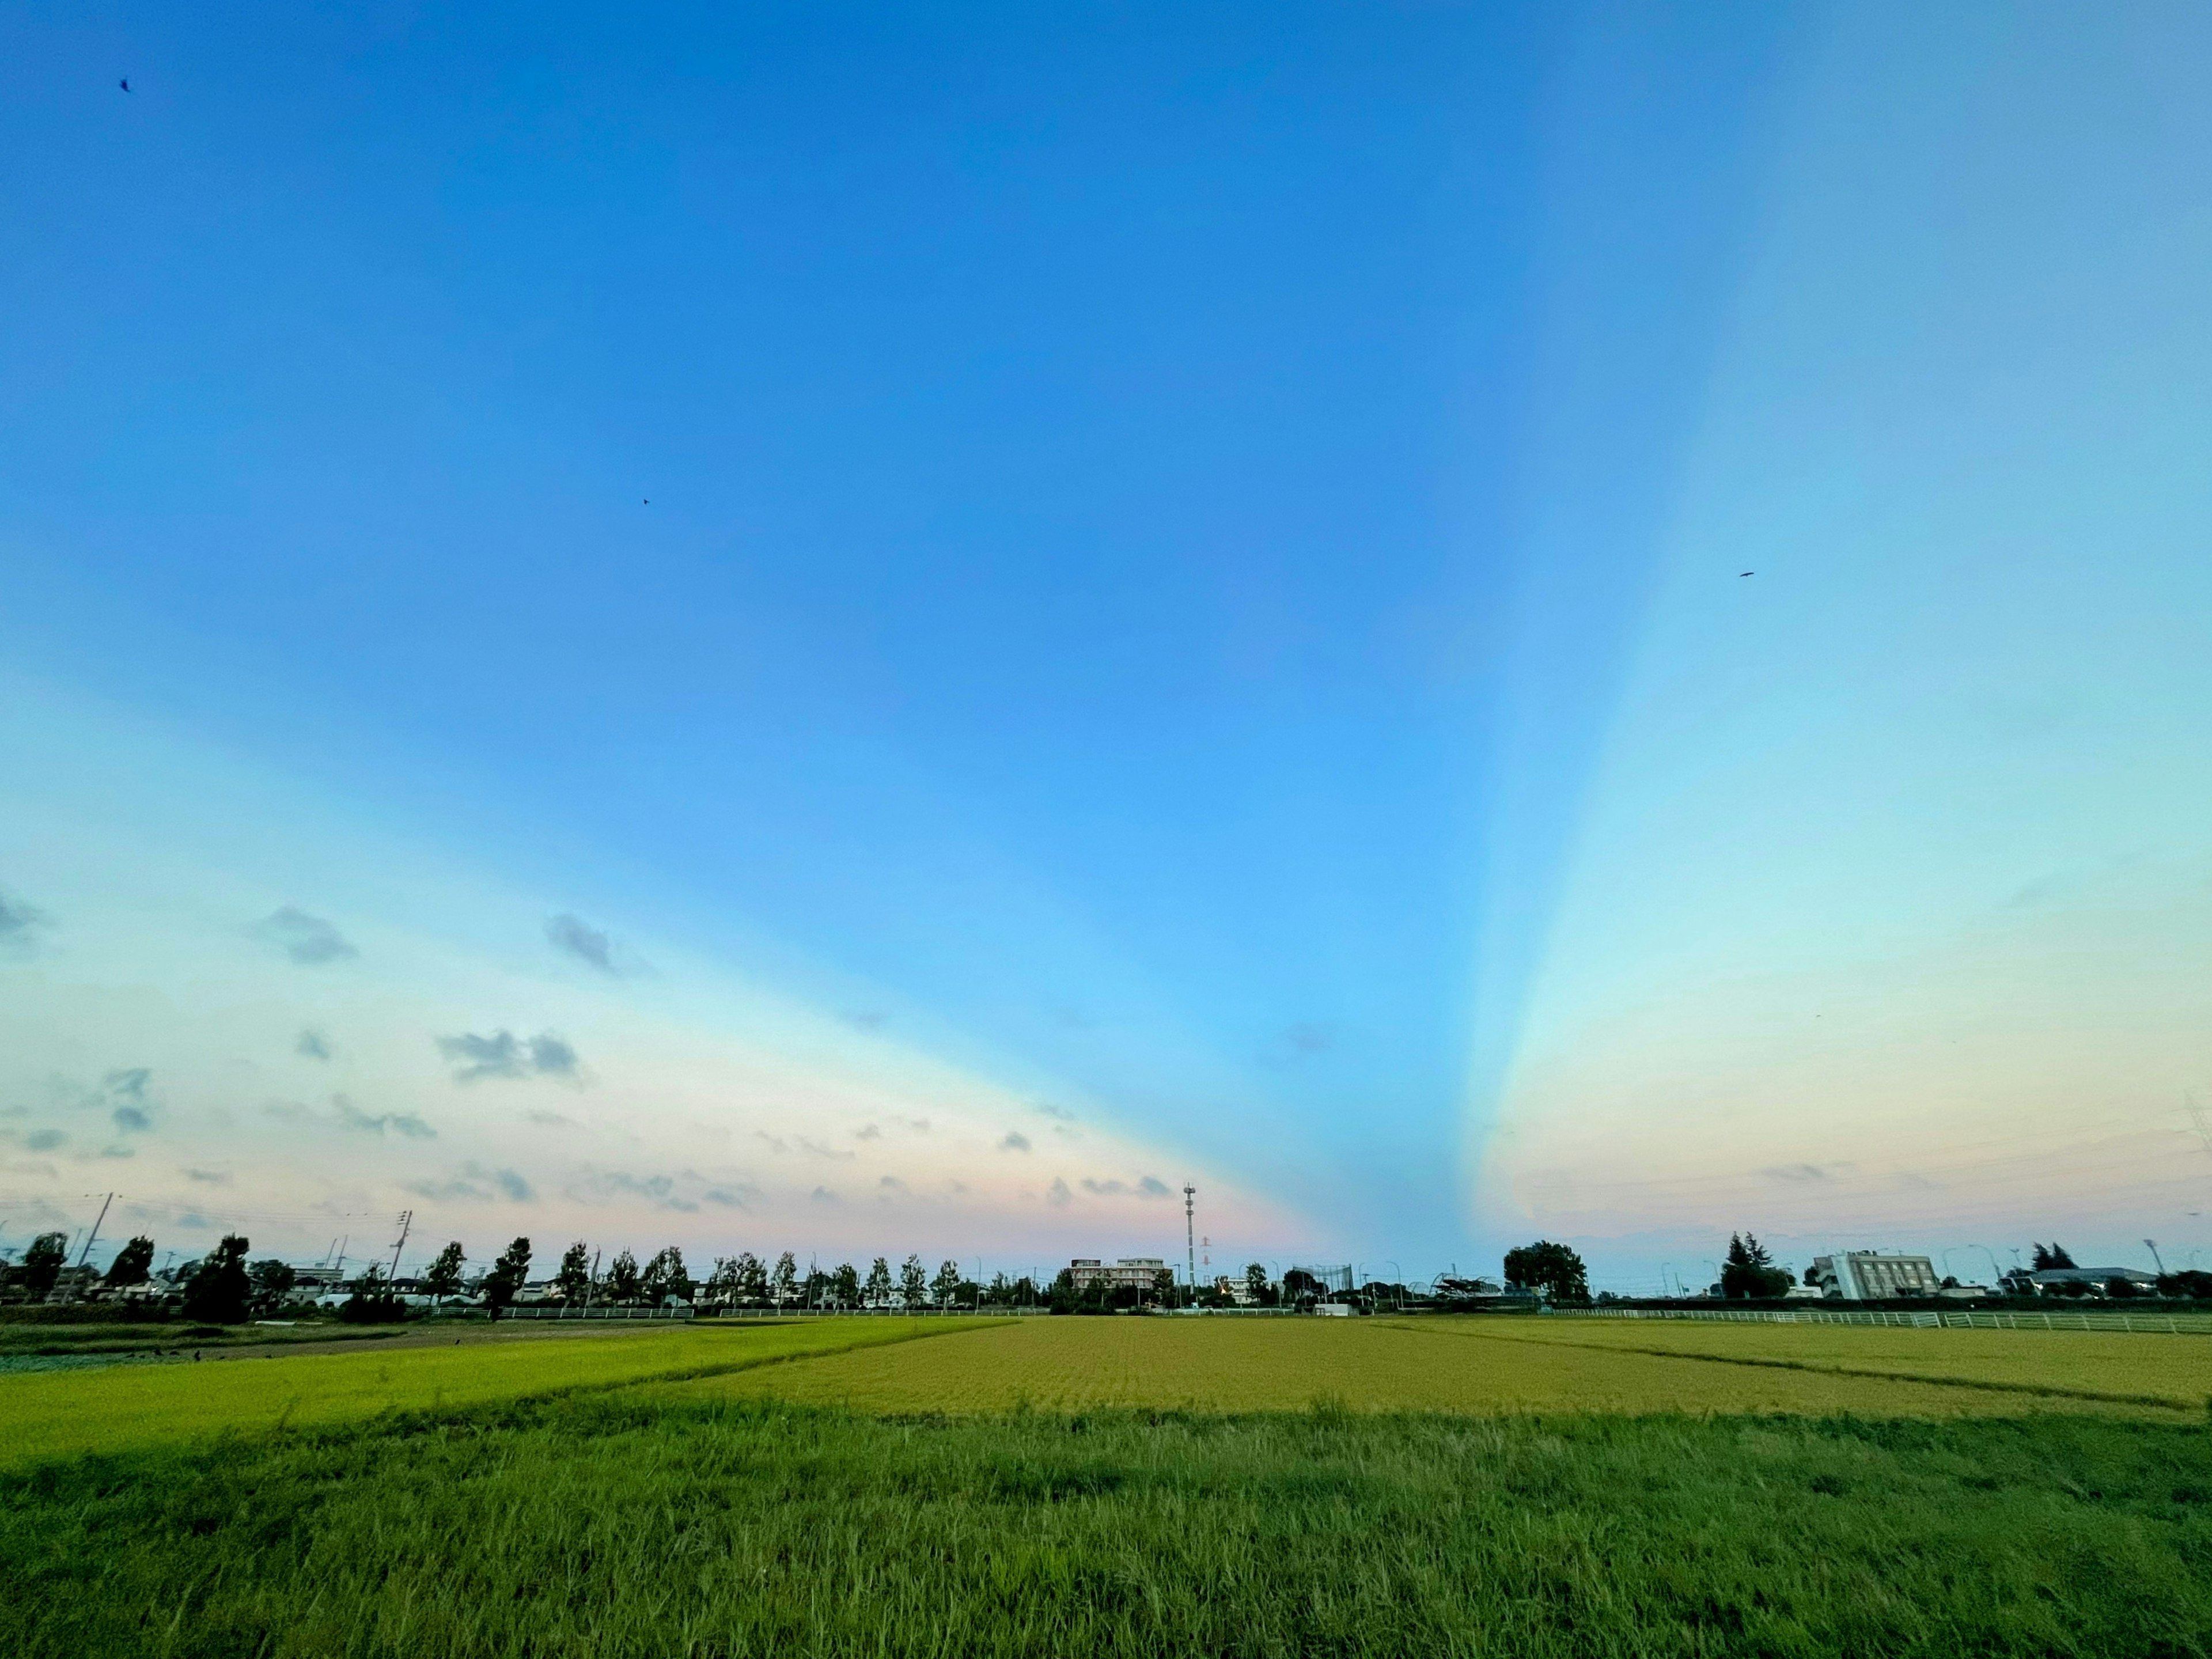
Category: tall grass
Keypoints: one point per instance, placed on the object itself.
(617, 1525)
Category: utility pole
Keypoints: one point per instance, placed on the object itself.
(591, 1283)
(88, 1237)
(406, 1220)
(1189, 1236)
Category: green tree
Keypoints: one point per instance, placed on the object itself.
(508, 1275)
(1064, 1297)
(878, 1291)
(944, 1289)
(1163, 1287)
(752, 1279)
(1749, 1272)
(845, 1282)
(784, 1286)
(623, 1285)
(2050, 1258)
(1552, 1270)
(133, 1263)
(272, 1281)
(913, 1282)
(443, 1277)
(1255, 1281)
(219, 1291)
(721, 1286)
(575, 1278)
(664, 1276)
(42, 1263)
(674, 1275)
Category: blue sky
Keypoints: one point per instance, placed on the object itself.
(1158, 595)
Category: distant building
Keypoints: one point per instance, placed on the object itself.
(1870, 1276)
(1137, 1273)
(2096, 1279)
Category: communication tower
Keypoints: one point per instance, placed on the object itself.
(1189, 1232)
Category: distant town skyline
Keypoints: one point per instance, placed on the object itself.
(862, 633)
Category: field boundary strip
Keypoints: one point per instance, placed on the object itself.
(1984, 1385)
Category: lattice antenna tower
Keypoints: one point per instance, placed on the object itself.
(1189, 1233)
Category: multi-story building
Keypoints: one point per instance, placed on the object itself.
(1138, 1272)
(1870, 1276)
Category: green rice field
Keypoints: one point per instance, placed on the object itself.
(1121, 1485)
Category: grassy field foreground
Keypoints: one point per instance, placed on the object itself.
(1124, 1486)
(613, 1526)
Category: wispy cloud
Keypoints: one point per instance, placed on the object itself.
(550, 1057)
(20, 923)
(504, 1055)
(128, 1084)
(823, 1195)
(1305, 1037)
(659, 1190)
(1057, 1195)
(309, 940)
(1802, 1174)
(350, 1116)
(573, 936)
(474, 1183)
(1016, 1141)
(209, 1177)
(892, 1184)
(866, 1019)
(868, 1132)
(1145, 1187)
(313, 1044)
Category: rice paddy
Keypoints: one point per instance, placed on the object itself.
(1124, 1486)
(128, 1408)
(1488, 1366)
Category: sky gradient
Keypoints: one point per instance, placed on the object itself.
(861, 630)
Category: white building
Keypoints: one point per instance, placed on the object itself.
(1138, 1273)
(1870, 1276)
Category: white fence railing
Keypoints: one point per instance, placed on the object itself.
(2174, 1324)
